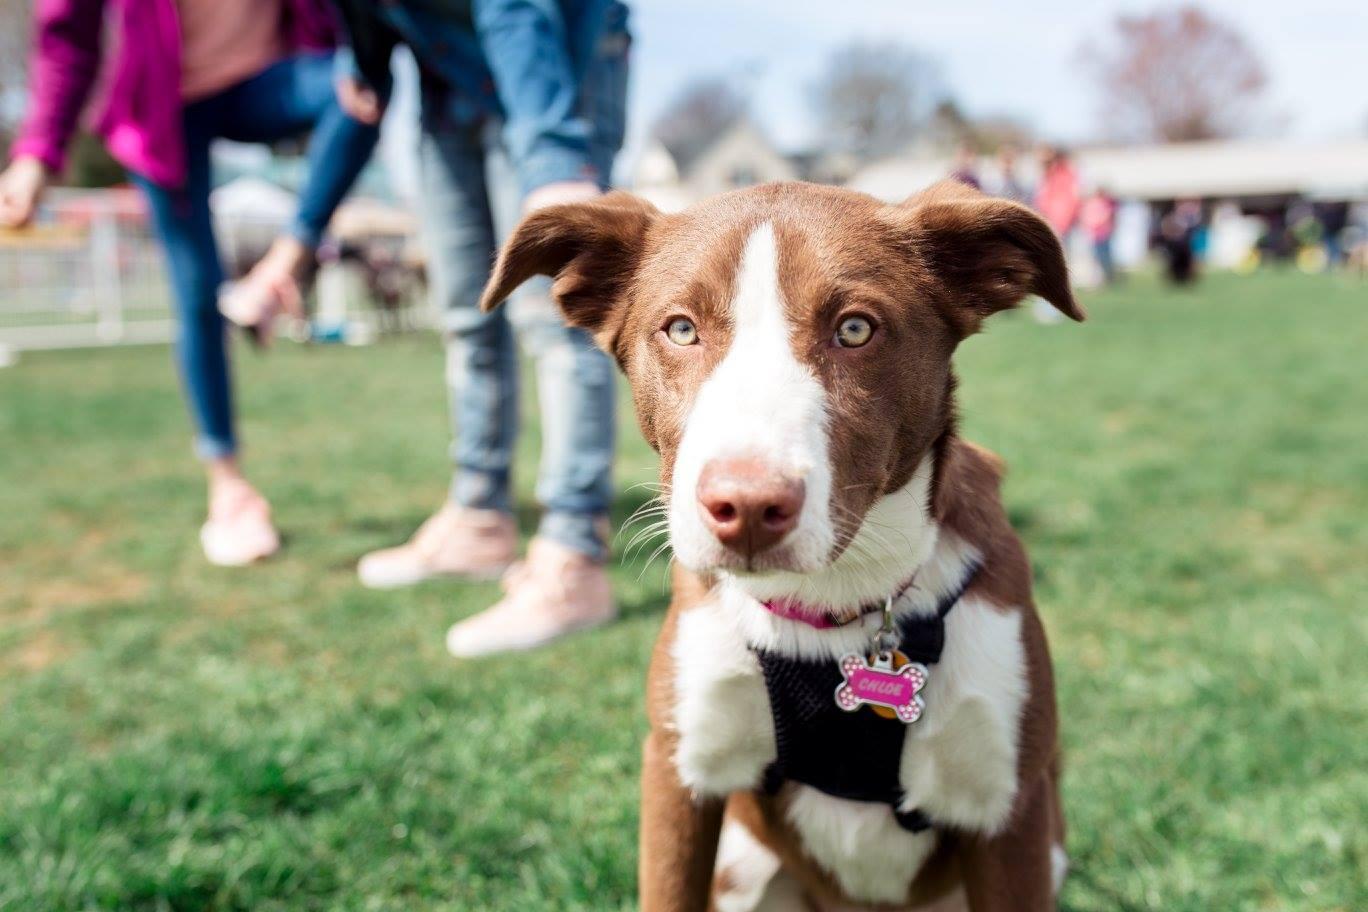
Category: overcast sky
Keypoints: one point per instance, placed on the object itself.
(996, 56)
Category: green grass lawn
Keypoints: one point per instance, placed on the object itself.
(1189, 470)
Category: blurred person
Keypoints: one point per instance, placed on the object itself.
(1057, 200)
(1312, 236)
(1234, 237)
(1097, 218)
(1177, 237)
(1057, 196)
(1011, 185)
(1334, 219)
(1277, 246)
(966, 167)
(184, 73)
(522, 107)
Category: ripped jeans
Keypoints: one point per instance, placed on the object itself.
(471, 200)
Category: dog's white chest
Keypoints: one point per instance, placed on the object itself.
(958, 764)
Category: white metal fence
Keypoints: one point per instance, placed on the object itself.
(88, 273)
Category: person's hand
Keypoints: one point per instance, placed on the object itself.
(21, 186)
(359, 101)
(576, 191)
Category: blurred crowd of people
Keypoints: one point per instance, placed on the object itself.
(1313, 235)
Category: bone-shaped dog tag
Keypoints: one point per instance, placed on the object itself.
(890, 687)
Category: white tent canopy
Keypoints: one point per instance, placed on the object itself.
(1232, 169)
(1330, 170)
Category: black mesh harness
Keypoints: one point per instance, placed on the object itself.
(852, 755)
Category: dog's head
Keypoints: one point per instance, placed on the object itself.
(788, 346)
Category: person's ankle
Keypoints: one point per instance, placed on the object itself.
(585, 534)
(223, 471)
(288, 260)
(289, 251)
(228, 487)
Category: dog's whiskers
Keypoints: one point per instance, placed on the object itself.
(663, 547)
(655, 507)
(644, 537)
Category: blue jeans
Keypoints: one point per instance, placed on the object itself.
(471, 201)
(1102, 249)
(289, 97)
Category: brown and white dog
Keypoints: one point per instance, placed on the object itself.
(789, 349)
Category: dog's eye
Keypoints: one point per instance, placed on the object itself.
(681, 331)
(854, 332)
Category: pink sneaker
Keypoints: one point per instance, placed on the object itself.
(256, 303)
(273, 288)
(455, 541)
(556, 591)
(239, 529)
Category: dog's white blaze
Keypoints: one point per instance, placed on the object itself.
(759, 401)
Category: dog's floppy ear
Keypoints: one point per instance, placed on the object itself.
(591, 248)
(990, 252)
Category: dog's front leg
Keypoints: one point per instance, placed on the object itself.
(1012, 871)
(678, 836)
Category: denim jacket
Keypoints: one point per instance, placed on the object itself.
(521, 60)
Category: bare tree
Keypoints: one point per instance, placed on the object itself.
(871, 99)
(698, 115)
(1176, 75)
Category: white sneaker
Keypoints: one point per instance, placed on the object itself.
(455, 541)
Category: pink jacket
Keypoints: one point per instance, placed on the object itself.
(140, 118)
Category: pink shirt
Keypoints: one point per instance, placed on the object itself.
(225, 41)
(1098, 217)
(1057, 198)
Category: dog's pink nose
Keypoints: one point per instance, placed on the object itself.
(747, 504)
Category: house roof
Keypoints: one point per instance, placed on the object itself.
(689, 154)
(687, 150)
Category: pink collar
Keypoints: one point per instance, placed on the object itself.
(795, 611)
(791, 610)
